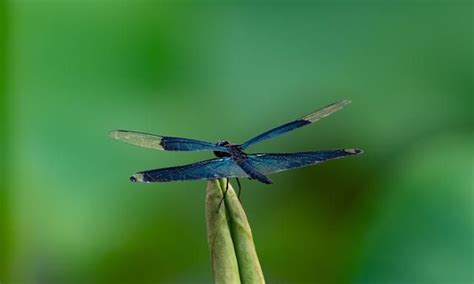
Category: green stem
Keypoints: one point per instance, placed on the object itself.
(223, 259)
(233, 255)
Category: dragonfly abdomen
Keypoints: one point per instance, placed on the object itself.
(253, 173)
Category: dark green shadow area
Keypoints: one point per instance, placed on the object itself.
(3, 142)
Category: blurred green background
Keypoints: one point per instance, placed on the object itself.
(71, 71)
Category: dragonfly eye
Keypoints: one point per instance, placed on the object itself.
(133, 179)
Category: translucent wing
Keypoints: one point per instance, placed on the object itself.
(164, 142)
(271, 163)
(308, 119)
(209, 169)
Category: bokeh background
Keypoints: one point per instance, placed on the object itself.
(71, 71)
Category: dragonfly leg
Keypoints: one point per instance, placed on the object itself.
(240, 187)
(225, 192)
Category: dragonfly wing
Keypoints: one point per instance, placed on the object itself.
(307, 119)
(164, 142)
(209, 169)
(272, 163)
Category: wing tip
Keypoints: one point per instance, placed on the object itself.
(114, 134)
(326, 111)
(138, 177)
(140, 139)
(354, 151)
(339, 105)
(117, 134)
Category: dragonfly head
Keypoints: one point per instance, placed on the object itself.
(223, 143)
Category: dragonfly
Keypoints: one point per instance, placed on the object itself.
(231, 161)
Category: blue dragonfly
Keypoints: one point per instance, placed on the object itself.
(232, 161)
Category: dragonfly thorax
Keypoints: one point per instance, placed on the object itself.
(234, 150)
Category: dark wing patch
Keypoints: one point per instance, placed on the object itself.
(209, 169)
(272, 163)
